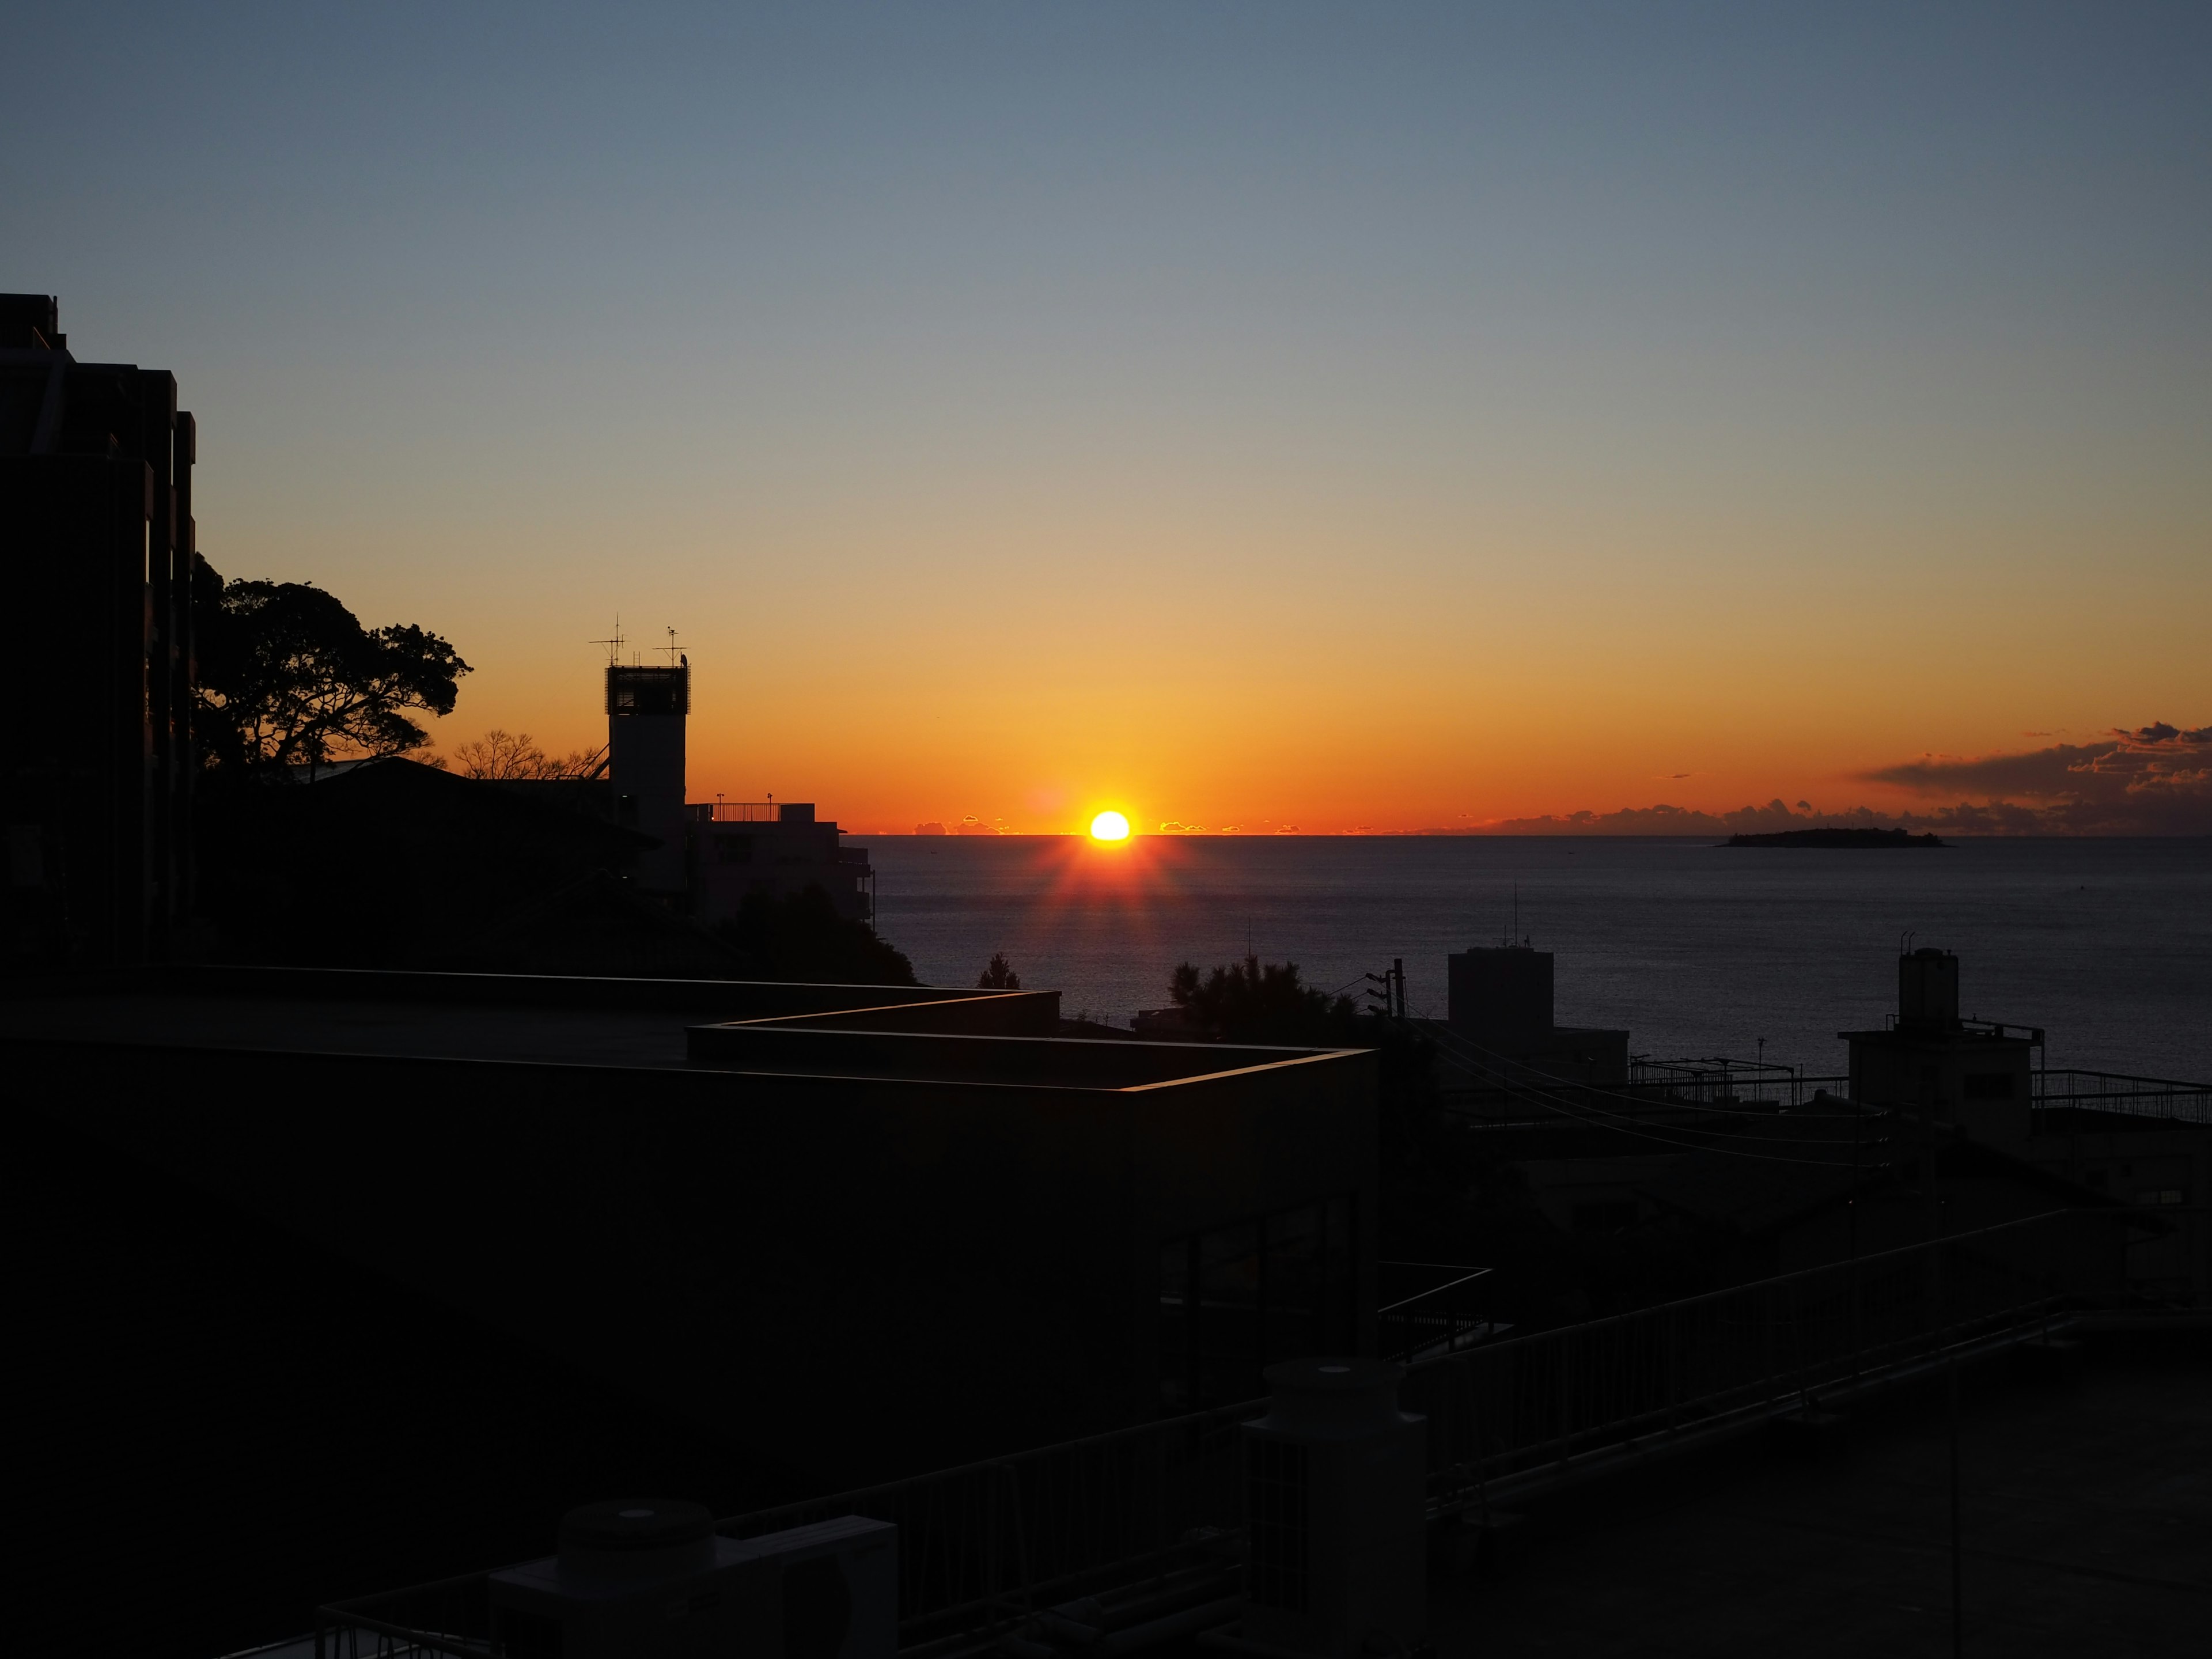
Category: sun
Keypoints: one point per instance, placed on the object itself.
(1110, 826)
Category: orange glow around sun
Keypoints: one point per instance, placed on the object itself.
(1110, 826)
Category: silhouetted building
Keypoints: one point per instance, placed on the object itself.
(773, 848)
(1500, 1001)
(1973, 1074)
(388, 863)
(858, 1229)
(708, 858)
(96, 524)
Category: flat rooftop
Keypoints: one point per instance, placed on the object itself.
(861, 1031)
(2087, 1521)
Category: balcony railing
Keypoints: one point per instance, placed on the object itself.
(735, 812)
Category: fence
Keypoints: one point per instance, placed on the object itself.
(985, 1548)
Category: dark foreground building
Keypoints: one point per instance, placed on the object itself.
(95, 554)
(858, 1231)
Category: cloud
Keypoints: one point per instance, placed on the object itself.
(2155, 779)
(1964, 819)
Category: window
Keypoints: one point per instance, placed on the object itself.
(1235, 1299)
(733, 849)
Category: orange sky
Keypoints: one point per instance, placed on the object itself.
(1304, 415)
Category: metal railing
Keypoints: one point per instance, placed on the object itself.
(1534, 1405)
(1508, 1099)
(735, 812)
(985, 1548)
(1723, 1081)
(1436, 1321)
(982, 1549)
(2118, 1092)
(1528, 1090)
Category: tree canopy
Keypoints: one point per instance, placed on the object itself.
(801, 937)
(999, 975)
(289, 676)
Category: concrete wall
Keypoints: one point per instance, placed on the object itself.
(1980, 1083)
(987, 1013)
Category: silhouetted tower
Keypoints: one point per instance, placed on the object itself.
(646, 709)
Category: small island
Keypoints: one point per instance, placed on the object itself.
(1837, 838)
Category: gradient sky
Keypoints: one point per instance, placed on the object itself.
(1393, 415)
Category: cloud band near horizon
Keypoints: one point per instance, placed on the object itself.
(2155, 779)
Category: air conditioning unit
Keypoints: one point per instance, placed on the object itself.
(1335, 1491)
(651, 1579)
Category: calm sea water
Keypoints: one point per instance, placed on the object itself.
(1696, 949)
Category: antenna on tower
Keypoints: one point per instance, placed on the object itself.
(671, 648)
(614, 646)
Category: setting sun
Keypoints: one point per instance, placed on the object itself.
(1110, 826)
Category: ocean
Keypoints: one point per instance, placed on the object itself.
(1698, 949)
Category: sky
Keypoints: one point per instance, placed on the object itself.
(1389, 417)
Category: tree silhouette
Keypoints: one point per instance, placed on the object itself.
(287, 675)
(1437, 1188)
(501, 754)
(1252, 1001)
(999, 975)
